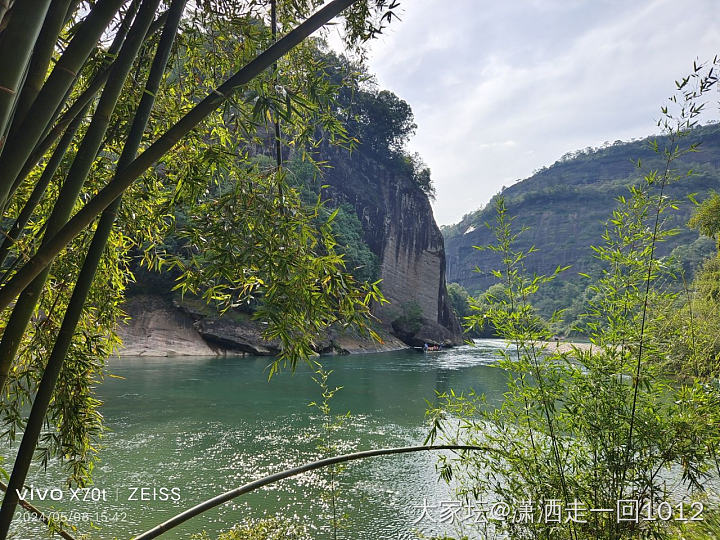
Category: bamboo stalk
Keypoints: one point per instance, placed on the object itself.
(70, 190)
(16, 45)
(88, 95)
(28, 134)
(84, 281)
(125, 178)
(51, 167)
(109, 55)
(40, 59)
(77, 110)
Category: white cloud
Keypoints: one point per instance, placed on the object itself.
(497, 144)
(545, 76)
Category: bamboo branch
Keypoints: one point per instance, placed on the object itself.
(233, 493)
(125, 178)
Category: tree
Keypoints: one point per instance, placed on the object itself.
(382, 120)
(707, 218)
(459, 300)
(77, 108)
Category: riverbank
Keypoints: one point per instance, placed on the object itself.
(566, 346)
(157, 327)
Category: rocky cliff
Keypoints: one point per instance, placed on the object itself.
(158, 328)
(398, 227)
(161, 325)
(383, 223)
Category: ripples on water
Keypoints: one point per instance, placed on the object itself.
(208, 425)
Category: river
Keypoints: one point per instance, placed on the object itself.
(181, 430)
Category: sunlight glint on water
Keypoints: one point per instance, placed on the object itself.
(206, 425)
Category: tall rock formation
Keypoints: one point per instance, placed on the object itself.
(382, 184)
(399, 227)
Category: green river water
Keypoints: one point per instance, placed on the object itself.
(185, 429)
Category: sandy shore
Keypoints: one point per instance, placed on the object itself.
(562, 346)
(565, 346)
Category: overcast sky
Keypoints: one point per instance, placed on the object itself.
(501, 88)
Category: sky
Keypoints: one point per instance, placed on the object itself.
(502, 88)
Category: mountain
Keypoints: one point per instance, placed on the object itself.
(564, 207)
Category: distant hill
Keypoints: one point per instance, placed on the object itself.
(564, 207)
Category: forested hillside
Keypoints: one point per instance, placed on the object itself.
(564, 207)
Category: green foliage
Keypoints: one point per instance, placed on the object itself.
(258, 242)
(328, 445)
(379, 121)
(707, 217)
(689, 258)
(599, 425)
(708, 527)
(243, 236)
(410, 319)
(424, 182)
(694, 322)
(458, 298)
(696, 317)
(562, 432)
(481, 323)
(707, 283)
(362, 263)
(419, 172)
(383, 121)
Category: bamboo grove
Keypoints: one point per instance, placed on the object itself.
(122, 121)
(612, 423)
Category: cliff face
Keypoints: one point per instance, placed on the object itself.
(399, 227)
